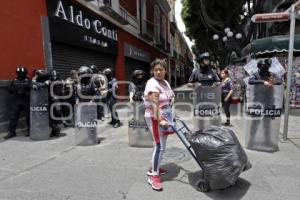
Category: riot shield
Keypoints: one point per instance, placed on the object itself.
(39, 114)
(86, 124)
(264, 106)
(207, 105)
(138, 132)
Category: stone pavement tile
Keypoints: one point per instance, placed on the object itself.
(289, 196)
(265, 157)
(181, 189)
(17, 194)
(90, 181)
(27, 163)
(172, 190)
(282, 170)
(258, 170)
(258, 183)
(285, 185)
(258, 195)
(5, 174)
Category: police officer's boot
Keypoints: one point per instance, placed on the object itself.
(10, 135)
(55, 131)
(26, 133)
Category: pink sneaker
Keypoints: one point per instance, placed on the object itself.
(162, 171)
(155, 183)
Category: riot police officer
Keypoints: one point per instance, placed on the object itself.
(20, 88)
(94, 69)
(111, 99)
(264, 100)
(263, 75)
(85, 90)
(136, 89)
(204, 75)
(99, 83)
(44, 79)
(57, 91)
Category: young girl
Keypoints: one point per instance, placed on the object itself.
(227, 90)
(158, 103)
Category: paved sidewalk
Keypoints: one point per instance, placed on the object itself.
(112, 170)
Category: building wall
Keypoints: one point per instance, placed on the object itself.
(21, 42)
(130, 6)
(21, 36)
(125, 37)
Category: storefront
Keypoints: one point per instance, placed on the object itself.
(80, 37)
(135, 58)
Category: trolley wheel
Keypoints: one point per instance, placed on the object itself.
(202, 185)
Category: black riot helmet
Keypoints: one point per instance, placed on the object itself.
(265, 62)
(138, 76)
(263, 65)
(21, 72)
(84, 74)
(202, 57)
(138, 72)
(84, 70)
(54, 75)
(94, 68)
(41, 75)
(108, 72)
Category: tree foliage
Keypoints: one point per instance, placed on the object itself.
(204, 18)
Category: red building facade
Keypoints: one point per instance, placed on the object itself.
(65, 34)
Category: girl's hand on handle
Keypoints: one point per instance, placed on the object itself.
(163, 123)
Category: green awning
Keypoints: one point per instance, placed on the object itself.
(273, 44)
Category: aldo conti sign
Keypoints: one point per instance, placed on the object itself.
(73, 24)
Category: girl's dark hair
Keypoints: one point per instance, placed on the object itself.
(225, 71)
(161, 62)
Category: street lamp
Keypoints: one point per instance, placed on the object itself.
(228, 34)
(226, 37)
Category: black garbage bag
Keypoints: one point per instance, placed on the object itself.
(221, 155)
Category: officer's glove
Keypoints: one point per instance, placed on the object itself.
(215, 84)
(47, 82)
(34, 87)
(197, 84)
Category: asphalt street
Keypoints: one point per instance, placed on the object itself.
(56, 169)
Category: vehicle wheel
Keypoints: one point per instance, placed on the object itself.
(202, 185)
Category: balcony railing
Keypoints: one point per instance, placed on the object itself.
(132, 21)
(118, 13)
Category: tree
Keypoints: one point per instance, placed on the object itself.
(204, 18)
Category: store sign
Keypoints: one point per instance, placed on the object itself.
(270, 17)
(136, 53)
(76, 25)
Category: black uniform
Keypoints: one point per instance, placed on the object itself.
(138, 86)
(205, 75)
(98, 83)
(20, 88)
(70, 86)
(85, 90)
(111, 98)
(58, 90)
